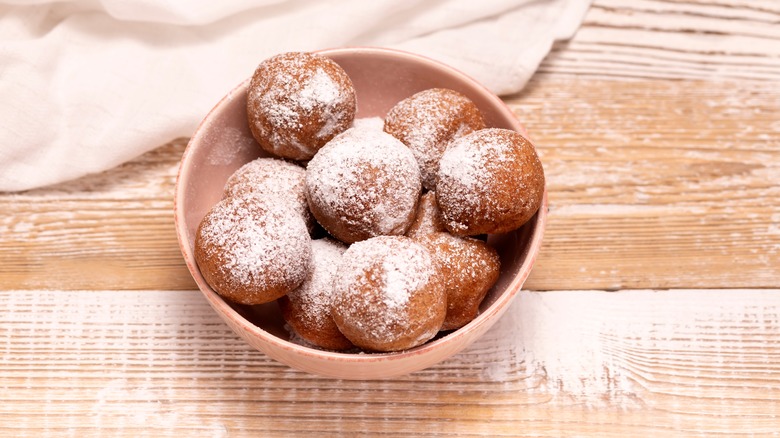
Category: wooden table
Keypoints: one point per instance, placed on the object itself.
(653, 309)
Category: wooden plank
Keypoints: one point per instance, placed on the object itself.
(654, 184)
(112, 229)
(657, 184)
(161, 363)
(673, 40)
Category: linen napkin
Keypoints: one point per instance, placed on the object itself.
(86, 85)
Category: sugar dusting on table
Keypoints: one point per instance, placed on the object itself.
(566, 352)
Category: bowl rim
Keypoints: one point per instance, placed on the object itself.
(225, 310)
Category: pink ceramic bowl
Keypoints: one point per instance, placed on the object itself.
(223, 143)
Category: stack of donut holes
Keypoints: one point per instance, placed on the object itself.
(370, 239)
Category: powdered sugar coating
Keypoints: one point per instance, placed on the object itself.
(277, 179)
(363, 183)
(375, 123)
(470, 267)
(297, 102)
(307, 309)
(428, 121)
(490, 181)
(388, 294)
(252, 250)
(428, 219)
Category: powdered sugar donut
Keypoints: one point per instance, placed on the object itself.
(470, 267)
(428, 121)
(278, 179)
(363, 183)
(307, 309)
(389, 296)
(297, 102)
(490, 181)
(252, 250)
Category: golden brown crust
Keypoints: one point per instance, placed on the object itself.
(428, 219)
(297, 102)
(469, 267)
(490, 181)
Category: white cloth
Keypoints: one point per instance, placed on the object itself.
(88, 84)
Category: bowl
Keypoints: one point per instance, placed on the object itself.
(223, 142)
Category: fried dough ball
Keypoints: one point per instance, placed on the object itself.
(275, 178)
(470, 267)
(297, 102)
(363, 183)
(389, 294)
(252, 250)
(490, 181)
(307, 309)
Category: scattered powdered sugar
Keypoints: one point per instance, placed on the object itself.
(374, 123)
(322, 93)
(229, 144)
(461, 180)
(467, 161)
(298, 94)
(319, 89)
(398, 284)
(463, 165)
(366, 182)
(253, 244)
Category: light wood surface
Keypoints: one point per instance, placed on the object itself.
(653, 309)
(159, 363)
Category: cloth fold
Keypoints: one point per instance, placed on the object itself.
(87, 85)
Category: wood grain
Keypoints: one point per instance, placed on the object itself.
(111, 230)
(161, 363)
(659, 128)
(651, 39)
(657, 184)
(654, 184)
(657, 124)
